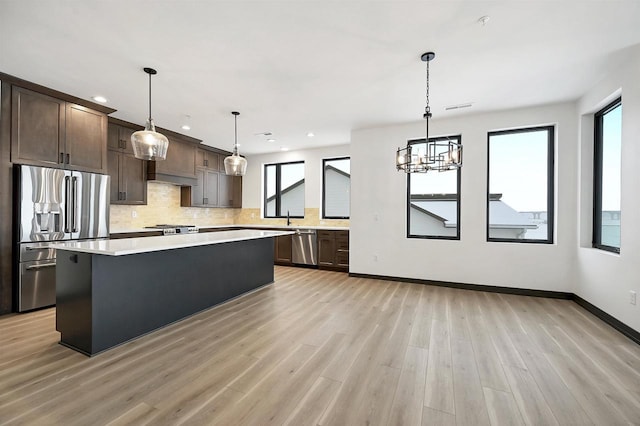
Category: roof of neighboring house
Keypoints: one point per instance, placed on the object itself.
(337, 170)
(443, 207)
(287, 189)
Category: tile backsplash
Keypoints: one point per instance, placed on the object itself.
(163, 206)
(311, 218)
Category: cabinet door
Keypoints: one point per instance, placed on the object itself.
(113, 168)
(197, 190)
(133, 180)
(211, 188)
(113, 137)
(37, 128)
(125, 139)
(86, 139)
(237, 192)
(225, 190)
(213, 160)
(180, 161)
(282, 250)
(326, 248)
(201, 158)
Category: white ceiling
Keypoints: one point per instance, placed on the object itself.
(291, 67)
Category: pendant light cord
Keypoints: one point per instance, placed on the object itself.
(150, 96)
(427, 110)
(235, 144)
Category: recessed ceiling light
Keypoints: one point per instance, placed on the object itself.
(271, 140)
(310, 134)
(185, 127)
(284, 148)
(100, 99)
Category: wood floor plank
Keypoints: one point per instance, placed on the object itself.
(530, 401)
(502, 408)
(488, 362)
(310, 409)
(421, 330)
(439, 380)
(431, 417)
(469, 397)
(409, 395)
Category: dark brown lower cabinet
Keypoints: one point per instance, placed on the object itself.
(282, 250)
(333, 250)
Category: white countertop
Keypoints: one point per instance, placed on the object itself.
(169, 242)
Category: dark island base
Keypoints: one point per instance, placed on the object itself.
(103, 301)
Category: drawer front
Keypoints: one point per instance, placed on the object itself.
(325, 234)
(342, 259)
(37, 284)
(342, 234)
(342, 244)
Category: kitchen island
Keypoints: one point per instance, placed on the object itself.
(111, 291)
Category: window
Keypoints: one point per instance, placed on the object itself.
(433, 207)
(336, 188)
(284, 190)
(606, 188)
(520, 184)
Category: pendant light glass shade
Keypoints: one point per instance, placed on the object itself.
(235, 165)
(149, 144)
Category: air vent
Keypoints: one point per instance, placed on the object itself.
(459, 106)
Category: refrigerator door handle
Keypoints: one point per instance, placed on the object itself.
(67, 191)
(74, 198)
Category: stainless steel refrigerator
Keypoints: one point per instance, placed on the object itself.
(54, 205)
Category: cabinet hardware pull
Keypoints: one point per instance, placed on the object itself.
(62, 158)
(43, 265)
(124, 195)
(206, 163)
(68, 157)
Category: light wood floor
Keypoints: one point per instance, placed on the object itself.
(322, 348)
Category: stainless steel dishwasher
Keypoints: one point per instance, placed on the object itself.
(305, 247)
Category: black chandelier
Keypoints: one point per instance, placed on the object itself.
(441, 155)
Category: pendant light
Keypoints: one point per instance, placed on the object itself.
(438, 155)
(235, 165)
(149, 144)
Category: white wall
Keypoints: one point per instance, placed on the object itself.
(378, 244)
(252, 181)
(605, 279)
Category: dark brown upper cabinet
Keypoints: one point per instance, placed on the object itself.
(180, 165)
(204, 193)
(128, 174)
(208, 159)
(213, 188)
(119, 137)
(50, 132)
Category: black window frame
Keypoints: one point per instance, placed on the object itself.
(458, 188)
(598, 158)
(551, 131)
(278, 191)
(324, 198)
